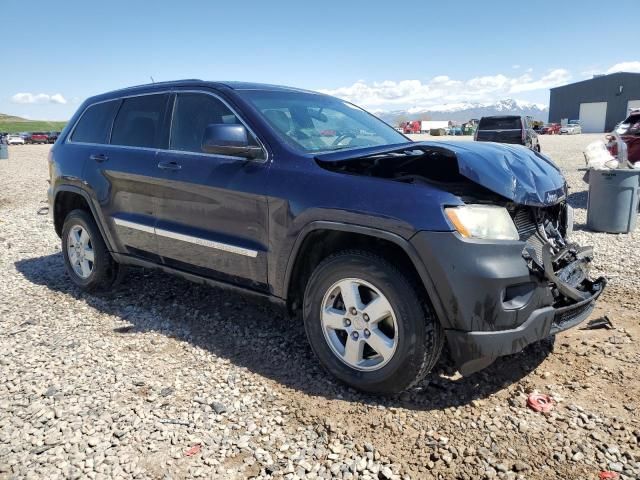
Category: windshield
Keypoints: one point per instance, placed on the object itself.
(319, 123)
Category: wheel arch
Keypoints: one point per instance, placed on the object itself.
(302, 257)
(69, 197)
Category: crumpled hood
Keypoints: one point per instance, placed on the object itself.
(512, 171)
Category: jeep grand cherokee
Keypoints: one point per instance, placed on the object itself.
(386, 248)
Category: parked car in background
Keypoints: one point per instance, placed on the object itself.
(15, 139)
(551, 129)
(26, 136)
(571, 128)
(383, 247)
(514, 129)
(628, 131)
(52, 137)
(413, 126)
(39, 138)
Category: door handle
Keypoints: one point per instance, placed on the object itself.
(169, 166)
(100, 157)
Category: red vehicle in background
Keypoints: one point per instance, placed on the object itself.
(39, 137)
(628, 131)
(413, 126)
(551, 129)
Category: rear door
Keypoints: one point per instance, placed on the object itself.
(213, 214)
(127, 176)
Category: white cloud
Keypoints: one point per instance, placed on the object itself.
(58, 98)
(443, 89)
(625, 67)
(631, 66)
(40, 98)
(554, 78)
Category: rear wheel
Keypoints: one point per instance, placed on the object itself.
(86, 258)
(368, 324)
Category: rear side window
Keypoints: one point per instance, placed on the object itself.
(139, 122)
(95, 123)
(192, 113)
(500, 123)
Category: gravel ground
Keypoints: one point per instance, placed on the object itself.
(162, 378)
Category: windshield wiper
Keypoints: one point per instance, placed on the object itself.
(341, 147)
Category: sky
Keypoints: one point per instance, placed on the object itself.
(382, 55)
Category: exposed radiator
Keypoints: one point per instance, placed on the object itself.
(528, 232)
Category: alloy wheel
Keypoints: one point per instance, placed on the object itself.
(80, 251)
(359, 324)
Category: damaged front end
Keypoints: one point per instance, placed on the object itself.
(499, 297)
(551, 256)
(493, 297)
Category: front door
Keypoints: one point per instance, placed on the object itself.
(212, 217)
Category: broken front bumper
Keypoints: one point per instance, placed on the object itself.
(491, 304)
(476, 350)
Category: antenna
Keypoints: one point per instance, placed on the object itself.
(152, 80)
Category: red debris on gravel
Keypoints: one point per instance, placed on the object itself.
(607, 475)
(540, 402)
(193, 450)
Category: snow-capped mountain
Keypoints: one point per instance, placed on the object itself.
(463, 111)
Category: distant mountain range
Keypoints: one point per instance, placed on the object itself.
(464, 111)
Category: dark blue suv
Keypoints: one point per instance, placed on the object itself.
(386, 248)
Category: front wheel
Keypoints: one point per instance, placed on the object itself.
(86, 257)
(368, 324)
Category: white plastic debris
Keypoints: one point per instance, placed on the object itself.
(598, 157)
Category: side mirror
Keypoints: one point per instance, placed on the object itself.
(229, 139)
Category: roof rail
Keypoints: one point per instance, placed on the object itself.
(160, 83)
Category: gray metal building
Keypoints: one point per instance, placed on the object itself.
(599, 103)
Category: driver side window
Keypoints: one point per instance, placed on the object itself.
(192, 113)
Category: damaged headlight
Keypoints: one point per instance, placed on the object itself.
(488, 222)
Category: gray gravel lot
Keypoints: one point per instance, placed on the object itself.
(162, 378)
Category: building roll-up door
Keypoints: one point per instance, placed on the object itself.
(593, 116)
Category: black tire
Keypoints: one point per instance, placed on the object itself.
(106, 272)
(419, 337)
